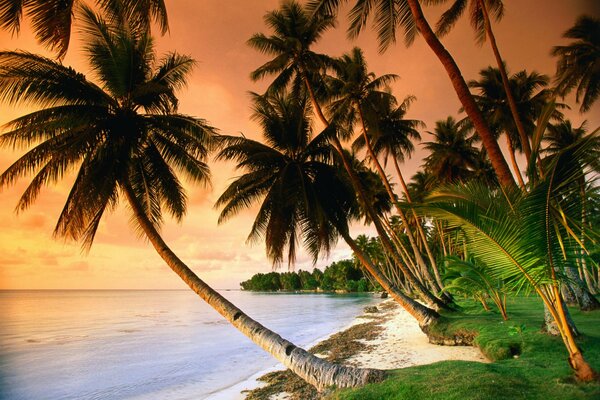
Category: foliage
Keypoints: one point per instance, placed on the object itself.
(471, 278)
(122, 131)
(578, 62)
(538, 371)
(341, 275)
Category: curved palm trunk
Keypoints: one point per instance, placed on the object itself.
(513, 160)
(424, 315)
(464, 95)
(436, 271)
(417, 285)
(512, 104)
(314, 370)
(411, 239)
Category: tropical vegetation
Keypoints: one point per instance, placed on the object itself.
(463, 232)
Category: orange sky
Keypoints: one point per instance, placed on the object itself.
(214, 32)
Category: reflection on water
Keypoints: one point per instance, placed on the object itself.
(146, 344)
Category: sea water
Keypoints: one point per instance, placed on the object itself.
(148, 344)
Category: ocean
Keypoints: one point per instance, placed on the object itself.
(147, 345)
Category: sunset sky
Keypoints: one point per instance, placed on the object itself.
(214, 32)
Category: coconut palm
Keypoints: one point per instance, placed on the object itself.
(408, 15)
(294, 63)
(479, 15)
(125, 138)
(307, 72)
(526, 238)
(559, 138)
(301, 193)
(452, 156)
(52, 20)
(529, 96)
(578, 64)
(357, 97)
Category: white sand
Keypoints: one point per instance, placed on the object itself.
(403, 344)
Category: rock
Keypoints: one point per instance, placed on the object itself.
(384, 295)
(371, 309)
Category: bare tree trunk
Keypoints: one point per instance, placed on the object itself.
(585, 300)
(314, 370)
(464, 95)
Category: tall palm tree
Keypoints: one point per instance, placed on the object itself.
(392, 137)
(293, 63)
(126, 140)
(357, 97)
(479, 15)
(529, 96)
(51, 20)
(302, 194)
(408, 15)
(294, 15)
(452, 156)
(578, 64)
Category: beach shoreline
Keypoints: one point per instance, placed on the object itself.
(386, 338)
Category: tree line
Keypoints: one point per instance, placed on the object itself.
(339, 276)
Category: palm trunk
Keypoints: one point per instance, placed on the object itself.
(314, 370)
(505, 82)
(513, 160)
(464, 95)
(424, 315)
(436, 271)
(417, 285)
(418, 256)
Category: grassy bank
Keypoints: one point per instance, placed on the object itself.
(527, 364)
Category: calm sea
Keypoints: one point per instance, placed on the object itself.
(148, 344)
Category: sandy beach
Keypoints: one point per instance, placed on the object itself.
(389, 339)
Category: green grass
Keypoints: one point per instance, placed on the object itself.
(527, 364)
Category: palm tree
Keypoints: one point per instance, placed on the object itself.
(479, 15)
(495, 105)
(577, 64)
(559, 138)
(407, 14)
(452, 156)
(357, 98)
(302, 193)
(127, 140)
(295, 16)
(526, 238)
(52, 20)
(294, 63)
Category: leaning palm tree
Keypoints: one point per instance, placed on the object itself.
(577, 64)
(388, 16)
(295, 16)
(357, 97)
(51, 20)
(302, 194)
(527, 239)
(126, 140)
(479, 15)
